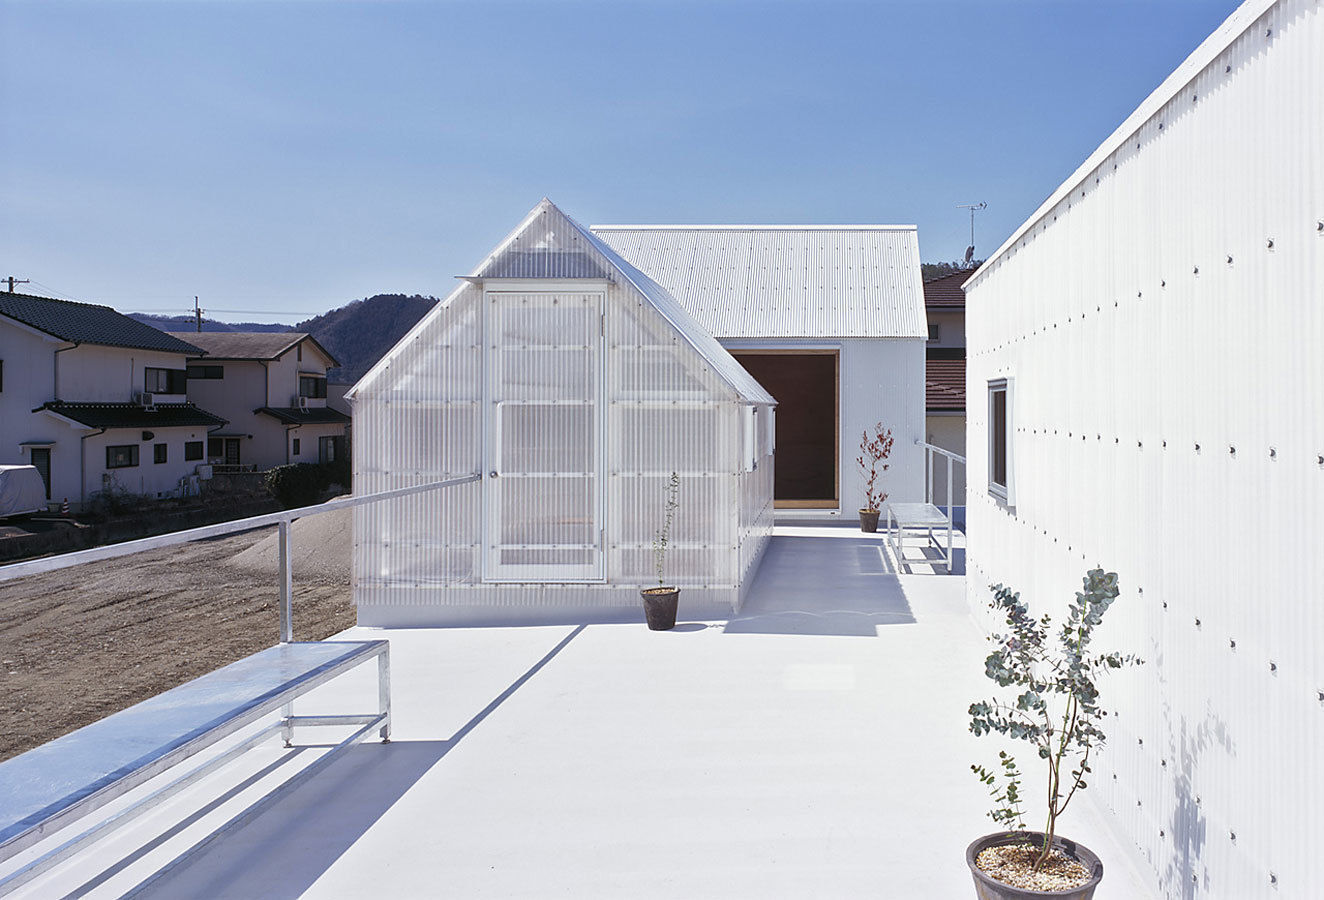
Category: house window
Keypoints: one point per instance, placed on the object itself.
(296, 447)
(215, 448)
(192, 450)
(999, 439)
(165, 381)
(160, 453)
(298, 351)
(206, 372)
(934, 332)
(312, 386)
(121, 456)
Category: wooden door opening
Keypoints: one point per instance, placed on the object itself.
(806, 386)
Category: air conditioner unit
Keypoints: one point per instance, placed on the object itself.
(303, 403)
(145, 399)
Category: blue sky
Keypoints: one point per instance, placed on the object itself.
(282, 159)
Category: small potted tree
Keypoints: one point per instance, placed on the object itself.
(1057, 711)
(660, 602)
(872, 462)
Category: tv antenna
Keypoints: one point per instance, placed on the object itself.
(974, 208)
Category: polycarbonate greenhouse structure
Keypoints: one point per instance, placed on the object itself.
(575, 386)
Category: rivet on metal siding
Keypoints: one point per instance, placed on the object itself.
(1273, 453)
(1232, 645)
(1196, 271)
(1229, 260)
(1232, 451)
(1161, 833)
(1164, 764)
(1197, 448)
(1232, 836)
(1273, 666)
(1228, 69)
(1140, 294)
(1165, 444)
(1321, 696)
(1270, 244)
(1160, 126)
(1273, 879)
(1162, 284)
(1197, 623)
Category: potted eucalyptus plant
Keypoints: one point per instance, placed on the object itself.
(1056, 711)
(874, 450)
(660, 602)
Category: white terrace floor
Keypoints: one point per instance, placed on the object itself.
(814, 746)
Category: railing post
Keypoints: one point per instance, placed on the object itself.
(928, 472)
(949, 515)
(286, 584)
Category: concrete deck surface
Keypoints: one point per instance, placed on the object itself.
(814, 746)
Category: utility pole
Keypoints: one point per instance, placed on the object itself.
(973, 207)
(197, 313)
(13, 281)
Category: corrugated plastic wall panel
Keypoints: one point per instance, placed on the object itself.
(583, 399)
(1162, 324)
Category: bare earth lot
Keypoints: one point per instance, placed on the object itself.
(81, 643)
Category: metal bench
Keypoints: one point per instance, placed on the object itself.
(919, 520)
(49, 788)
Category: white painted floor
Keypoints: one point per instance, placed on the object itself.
(814, 746)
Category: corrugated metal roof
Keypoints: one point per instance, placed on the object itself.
(784, 281)
(541, 247)
(88, 323)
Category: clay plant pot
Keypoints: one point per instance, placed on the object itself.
(660, 607)
(869, 520)
(988, 888)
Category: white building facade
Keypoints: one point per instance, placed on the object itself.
(96, 401)
(830, 319)
(271, 388)
(1146, 393)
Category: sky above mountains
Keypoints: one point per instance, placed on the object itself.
(277, 159)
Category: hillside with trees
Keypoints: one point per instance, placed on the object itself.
(360, 333)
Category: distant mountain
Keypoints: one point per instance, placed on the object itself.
(360, 333)
(189, 323)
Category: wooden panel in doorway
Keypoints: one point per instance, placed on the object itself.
(805, 385)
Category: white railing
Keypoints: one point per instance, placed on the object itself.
(280, 519)
(952, 459)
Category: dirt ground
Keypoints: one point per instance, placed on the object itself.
(81, 643)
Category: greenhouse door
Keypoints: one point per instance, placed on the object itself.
(543, 442)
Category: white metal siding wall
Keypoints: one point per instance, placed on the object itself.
(1163, 327)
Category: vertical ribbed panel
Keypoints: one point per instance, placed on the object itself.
(576, 398)
(1162, 321)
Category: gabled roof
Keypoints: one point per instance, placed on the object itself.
(945, 291)
(550, 244)
(264, 345)
(132, 415)
(314, 415)
(88, 323)
(784, 281)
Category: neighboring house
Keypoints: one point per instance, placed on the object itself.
(96, 401)
(1146, 394)
(271, 386)
(576, 386)
(944, 378)
(829, 318)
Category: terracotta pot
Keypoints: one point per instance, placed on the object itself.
(869, 520)
(660, 607)
(988, 888)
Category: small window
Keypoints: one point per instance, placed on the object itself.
(999, 439)
(165, 381)
(298, 351)
(295, 451)
(312, 386)
(192, 450)
(215, 448)
(122, 456)
(935, 332)
(206, 372)
(160, 453)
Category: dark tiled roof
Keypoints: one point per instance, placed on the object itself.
(132, 415)
(249, 344)
(944, 384)
(944, 292)
(313, 415)
(87, 323)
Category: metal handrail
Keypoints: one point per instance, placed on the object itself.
(929, 450)
(280, 519)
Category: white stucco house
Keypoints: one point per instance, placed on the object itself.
(829, 319)
(1146, 394)
(271, 388)
(96, 401)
